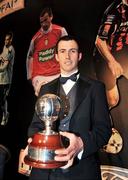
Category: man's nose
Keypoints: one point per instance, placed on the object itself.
(67, 54)
(43, 24)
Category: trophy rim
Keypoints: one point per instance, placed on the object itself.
(44, 165)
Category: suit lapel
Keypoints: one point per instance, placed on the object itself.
(82, 88)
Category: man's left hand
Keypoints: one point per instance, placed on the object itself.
(68, 154)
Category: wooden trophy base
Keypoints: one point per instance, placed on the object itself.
(41, 151)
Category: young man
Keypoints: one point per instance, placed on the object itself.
(112, 44)
(87, 125)
(6, 70)
(42, 66)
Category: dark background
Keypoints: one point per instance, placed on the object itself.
(80, 18)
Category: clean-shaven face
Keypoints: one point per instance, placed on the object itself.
(68, 56)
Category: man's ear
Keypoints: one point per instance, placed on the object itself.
(56, 56)
(80, 56)
(51, 18)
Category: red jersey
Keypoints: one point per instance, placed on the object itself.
(42, 50)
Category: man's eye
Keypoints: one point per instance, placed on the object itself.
(74, 51)
(46, 19)
(61, 51)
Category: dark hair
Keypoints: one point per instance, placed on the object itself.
(46, 10)
(68, 38)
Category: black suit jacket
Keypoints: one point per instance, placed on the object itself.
(90, 120)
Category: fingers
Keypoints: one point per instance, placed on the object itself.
(63, 155)
(68, 154)
(23, 153)
(38, 87)
(29, 140)
(75, 145)
(69, 163)
(64, 133)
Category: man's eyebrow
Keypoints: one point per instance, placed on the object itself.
(74, 49)
(43, 20)
(61, 49)
(69, 49)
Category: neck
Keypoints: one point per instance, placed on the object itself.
(68, 73)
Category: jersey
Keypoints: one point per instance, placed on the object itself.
(6, 71)
(42, 52)
(114, 30)
(114, 26)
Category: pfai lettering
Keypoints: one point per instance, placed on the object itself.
(6, 6)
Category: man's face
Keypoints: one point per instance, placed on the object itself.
(45, 21)
(125, 2)
(7, 41)
(68, 56)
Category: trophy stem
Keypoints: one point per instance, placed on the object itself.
(48, 126)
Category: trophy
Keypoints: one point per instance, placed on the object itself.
(41, 151)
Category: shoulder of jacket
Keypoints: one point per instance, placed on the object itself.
(91, 81)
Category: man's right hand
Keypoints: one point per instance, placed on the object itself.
(24, 152)
(24, 168)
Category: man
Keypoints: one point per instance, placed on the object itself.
(6, 70)
(112, 44)
(87, 125)
(42, 66)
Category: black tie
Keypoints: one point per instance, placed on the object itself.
(73, 77)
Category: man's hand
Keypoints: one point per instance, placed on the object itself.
(68, 154)
(24, 168)
(37, 85)
(24, 152)
(37, 89)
